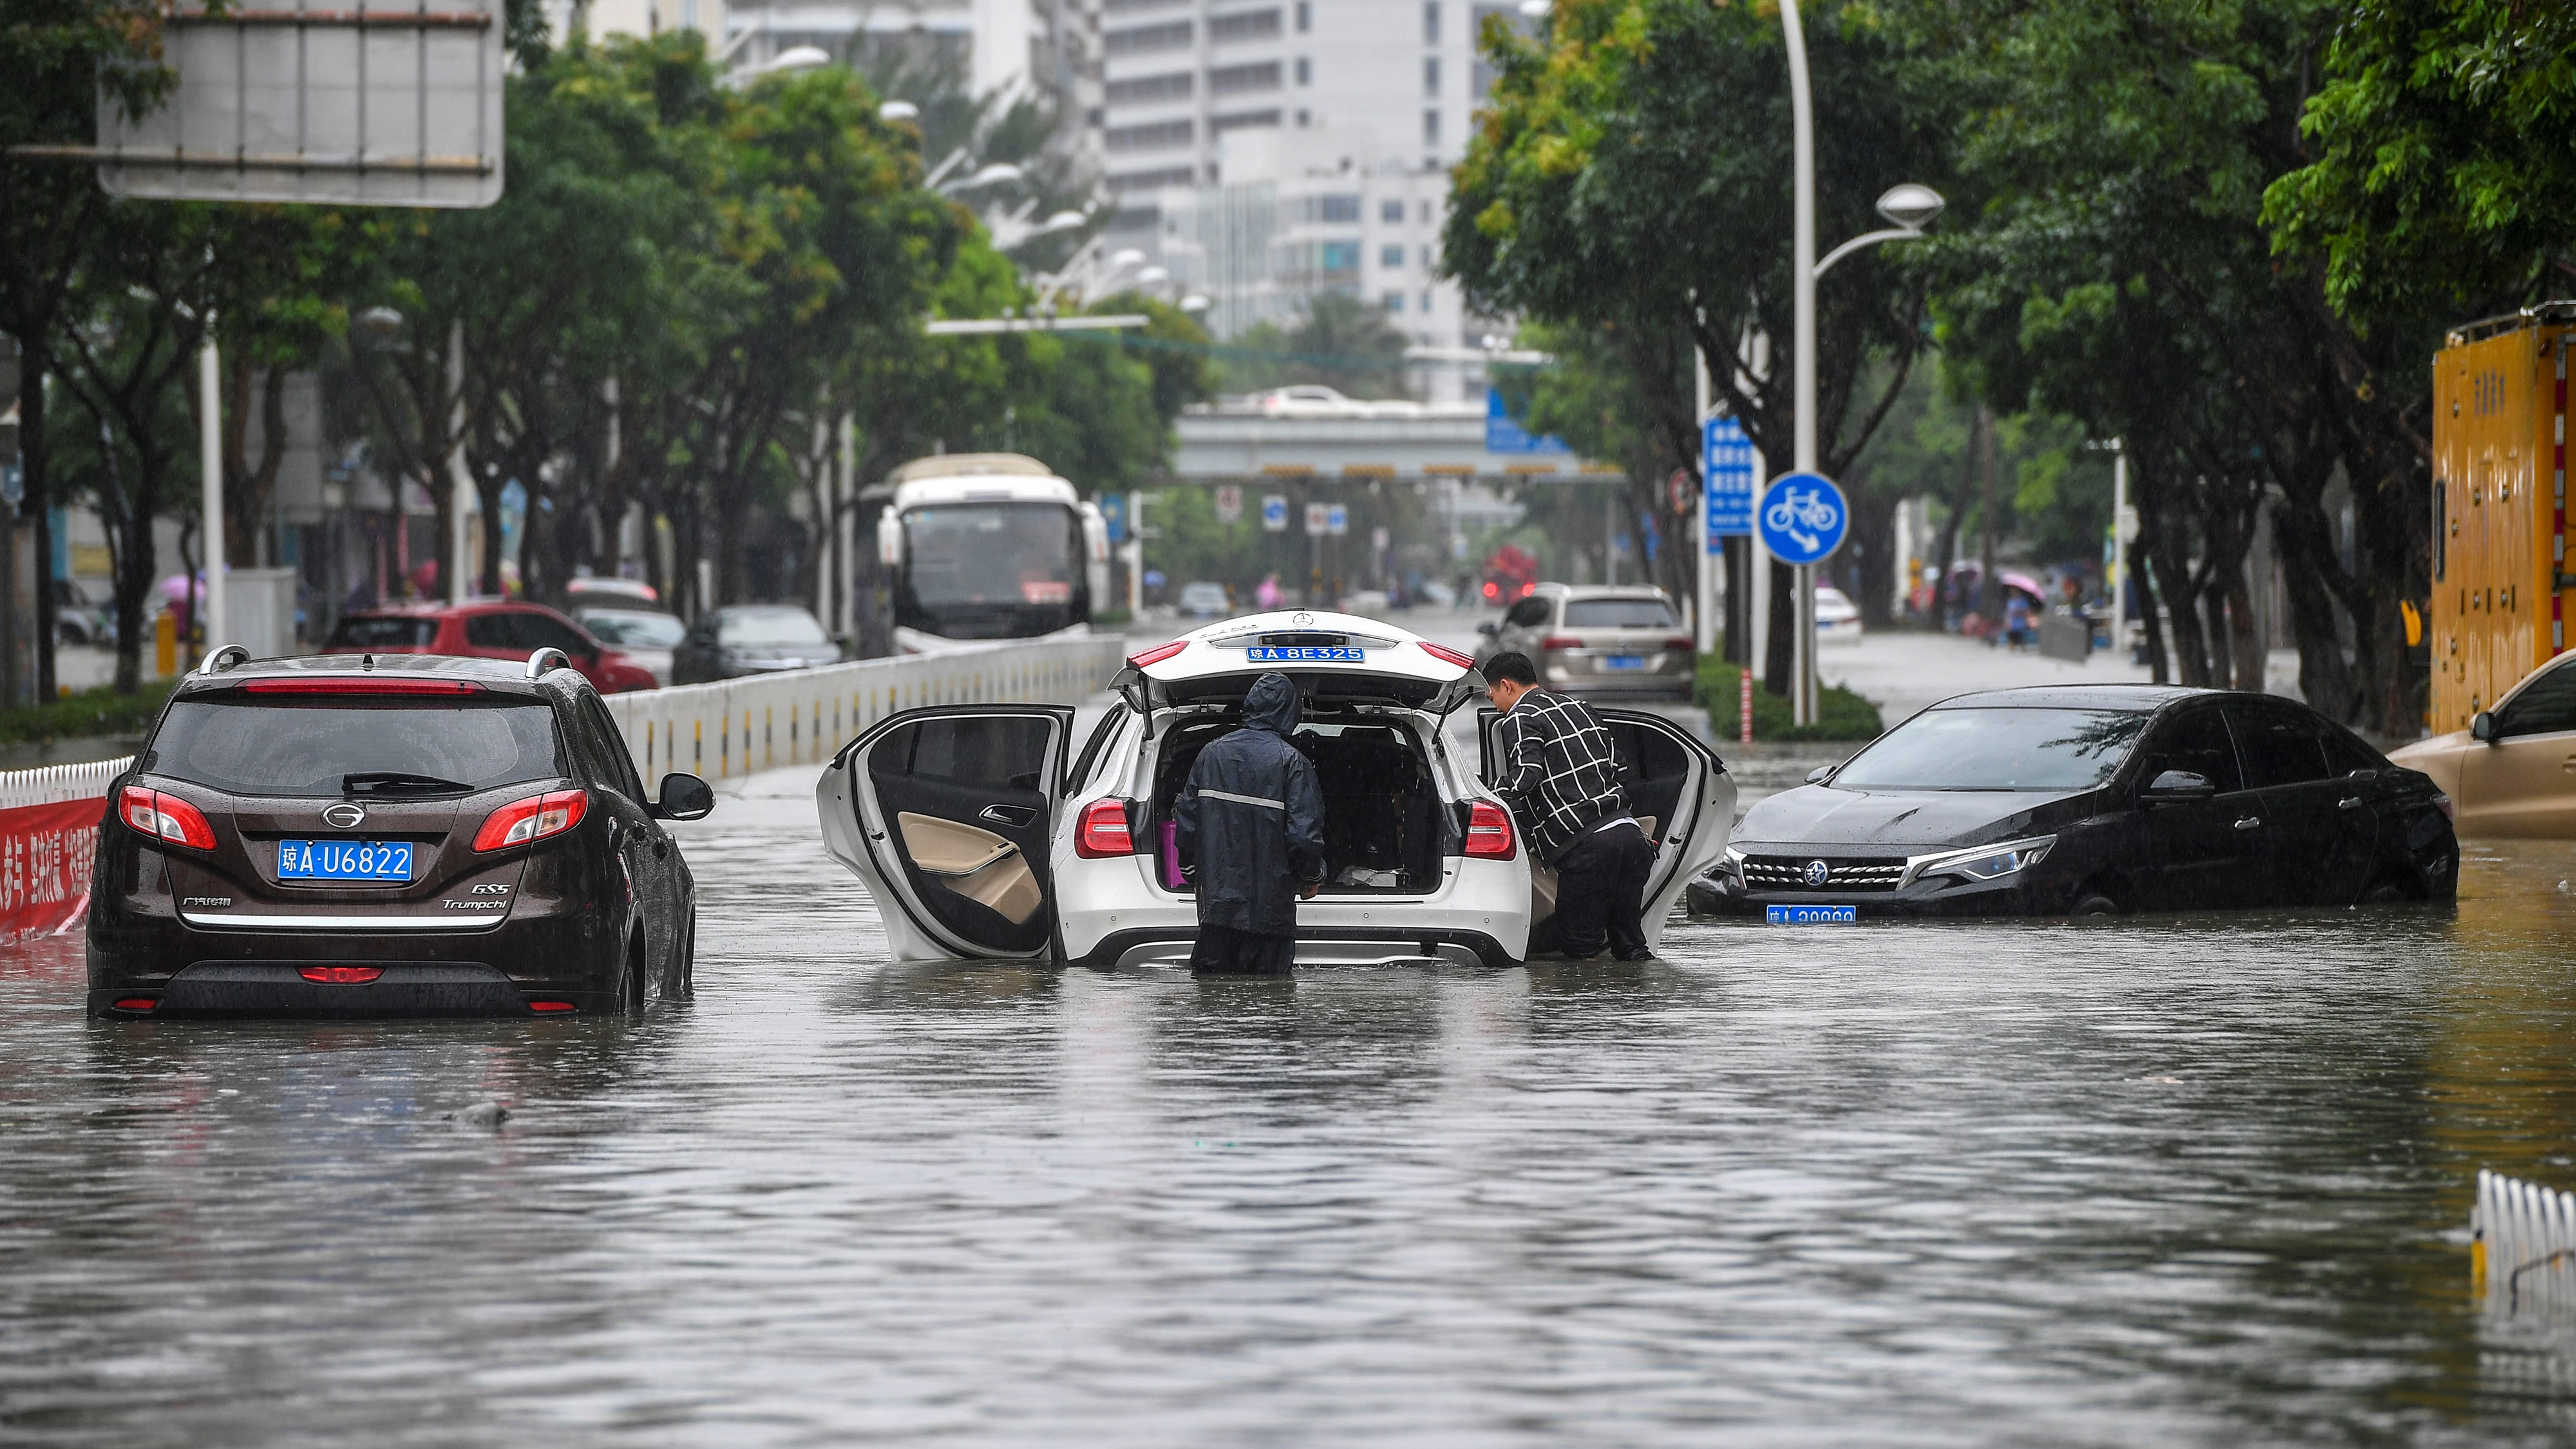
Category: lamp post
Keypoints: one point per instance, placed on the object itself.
(1911, 208)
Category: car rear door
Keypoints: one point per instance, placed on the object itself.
(2319, 831)
(947, 816)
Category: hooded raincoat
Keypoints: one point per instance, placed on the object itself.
(1250, 823)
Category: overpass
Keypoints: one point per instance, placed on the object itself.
(1401, 441)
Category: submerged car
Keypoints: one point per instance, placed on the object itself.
(409, 835)
(983, 832)
(2095, 800)
(2512, 772)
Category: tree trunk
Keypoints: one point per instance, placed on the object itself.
(1874, 563)
(2182, 602)
(33, 363)
(2301, 533)
(2158, 667)
(1780, 661)
(2245, 641)
(1988, 597)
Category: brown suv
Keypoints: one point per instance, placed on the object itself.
(393, 834)
(1598, 639)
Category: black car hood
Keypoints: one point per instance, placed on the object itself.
(1818, 815)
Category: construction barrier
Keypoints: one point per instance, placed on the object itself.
(49, 821)
(2522, 1246)
(804, 716)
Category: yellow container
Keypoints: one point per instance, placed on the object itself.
(2500, 572)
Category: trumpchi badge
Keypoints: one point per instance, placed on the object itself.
(347, 815)
(1817, 874)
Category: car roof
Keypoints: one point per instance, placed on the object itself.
(2140, 698)
(1398, 665)
(429, 609)
(1601, 591)
(501, 676)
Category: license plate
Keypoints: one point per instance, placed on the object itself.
(1306, 654)
(1624, 661)
(1811, 915)
(379, 860)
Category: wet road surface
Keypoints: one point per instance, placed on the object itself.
(2138, 1182)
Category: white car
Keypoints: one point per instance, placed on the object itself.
(982, 831)
(1837, 618)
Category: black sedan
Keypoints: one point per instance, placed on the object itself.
(2095, 800)
(748, 639)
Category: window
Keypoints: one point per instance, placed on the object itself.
(386, 635)
(597, 741)
(1143, 39)
(1426, 306)
(1618, 614)
(491, 631)
(537, 631)
(1527, 614)
(980, 750)
(2278, 747)
(1250, 25)
(1431, 76)
(1391, 257)
(1431, 22)
(2344, 754)
(1337, 208)
(1236, 79)
(1338, 256)
(2546, 706)
(1426, 256)
(1392, 301)
(1391, 212)
(1305, 71)
(1238, 120)
(1998, 749)
(1115, 6)
(1430, 128)
(2198, 744)
(1305, 16)
(1172, 86)
(1157, 136)
(1305, 117)
(310, 747)
(1147, 180)
(1426, 213)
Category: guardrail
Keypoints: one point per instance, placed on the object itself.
(803, 716)
(49, 821)
(2522, 1246)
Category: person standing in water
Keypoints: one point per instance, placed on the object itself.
(1250, 832)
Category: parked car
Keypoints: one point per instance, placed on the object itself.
(2096, 800)
(741, 639)
(1205, 600)
(610, 592)
(410, 835)
(491, 629)
(978, 839)
(1837, 617)
(80, 619)
(1598, 639)
(646, 636)
(2512, 772)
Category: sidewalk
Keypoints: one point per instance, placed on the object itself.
(1903, 672)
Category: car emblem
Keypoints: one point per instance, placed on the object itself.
(1818, 873)
(348, 814)
(1302, 620)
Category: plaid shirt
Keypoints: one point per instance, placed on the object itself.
(1560, 771)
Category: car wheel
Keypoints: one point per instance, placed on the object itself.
(2094, 903)
(2386, 893)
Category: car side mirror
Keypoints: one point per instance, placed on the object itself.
(2180, 785)
(1489, 629)
(1820, 774)
(2483, 729)
(684, 797)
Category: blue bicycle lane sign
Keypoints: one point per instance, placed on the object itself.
(1802, 518)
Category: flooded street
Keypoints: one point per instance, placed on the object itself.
(2151, 1181)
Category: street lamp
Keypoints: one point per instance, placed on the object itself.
(893, 111)
(996, 174)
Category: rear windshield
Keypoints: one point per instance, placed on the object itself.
(1617, 614)
(395, 634)
(311, 748)
(1996, 749)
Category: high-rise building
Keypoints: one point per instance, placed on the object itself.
(1006, 47)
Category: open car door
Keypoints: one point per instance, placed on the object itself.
(947, 816)
(1680, 793)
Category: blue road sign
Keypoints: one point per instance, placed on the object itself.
(1274, 513)
(1337, 520)
(1803, 518)
(1113, 512)
(1726, 467)
(1504, 433)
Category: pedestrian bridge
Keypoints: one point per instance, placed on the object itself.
(1461, 443)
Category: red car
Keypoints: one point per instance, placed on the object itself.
(497, 629)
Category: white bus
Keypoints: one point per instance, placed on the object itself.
(989, 546)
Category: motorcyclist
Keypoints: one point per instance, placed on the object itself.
(1249, 828)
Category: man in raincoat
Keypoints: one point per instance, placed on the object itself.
(1250, 831)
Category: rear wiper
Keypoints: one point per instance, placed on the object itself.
(380, 782)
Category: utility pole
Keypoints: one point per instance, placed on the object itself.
(460, 474)
(210, 472)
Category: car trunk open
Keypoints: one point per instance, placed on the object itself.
(1386, 827)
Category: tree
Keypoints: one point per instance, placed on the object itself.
(1336, 341)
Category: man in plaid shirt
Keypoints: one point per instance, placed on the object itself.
(1560, 775)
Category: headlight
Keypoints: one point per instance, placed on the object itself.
(1983, 863)
(1730, 867)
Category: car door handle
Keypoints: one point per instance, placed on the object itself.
(2250, 822)
(1014, 816)
(2350, 802)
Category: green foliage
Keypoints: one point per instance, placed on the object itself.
(1337, 341)
(94, 712)
(1840, 714)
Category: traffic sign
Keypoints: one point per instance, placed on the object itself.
(1803, 518)
(1319, 520)
(1274, 513)
(1680, 487)
(1726, 467)
(1337, 520)
(1229, 503)
(1113, 512)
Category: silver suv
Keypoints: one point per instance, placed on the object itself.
(1598, 639)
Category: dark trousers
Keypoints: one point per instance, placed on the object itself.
(1223, 950)
(1600, 891)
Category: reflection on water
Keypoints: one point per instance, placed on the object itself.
(2127, 1182)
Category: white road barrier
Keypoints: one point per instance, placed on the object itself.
(2522, 1246)
(60, 784)
(803, 716)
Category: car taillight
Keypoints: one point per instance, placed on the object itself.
(1677, 642)
(534, 818)
(1158, 653)
(1493, 590)
(137, 1003)
(341, 975)
(1489, 831)
(165, 817)
(1103, 831)
(549, 1006)
(1560, 641)
(1446, 655)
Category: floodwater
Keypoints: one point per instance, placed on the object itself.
(2181, 1181)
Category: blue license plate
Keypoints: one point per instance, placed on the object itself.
(1306, 654)
(376, 860)
(1624, 661)
(1811, 915)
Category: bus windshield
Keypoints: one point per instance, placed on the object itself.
(991, 570)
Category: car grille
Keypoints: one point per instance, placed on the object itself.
(1789, 873)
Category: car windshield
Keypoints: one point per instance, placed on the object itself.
(768, 627)
(380, 631)
(1617, 614)
(1996, 749)
(636, 630)
(992, 553)
(312, 747)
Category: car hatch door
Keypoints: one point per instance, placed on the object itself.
(1680, 792)
(947, 816)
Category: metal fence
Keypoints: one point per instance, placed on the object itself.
(744, 725)
(2522, 1246)
(59, 784)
